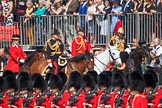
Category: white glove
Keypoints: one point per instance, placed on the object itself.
(128, 50)
(22, 61)
(50, 65)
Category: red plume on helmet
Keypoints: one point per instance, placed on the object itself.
(117, 26)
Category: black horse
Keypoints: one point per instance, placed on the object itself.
(138, 59)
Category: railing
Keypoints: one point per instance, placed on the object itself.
(98, 29)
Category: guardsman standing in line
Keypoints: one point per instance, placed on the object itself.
(90, 89)
(17, 55)
(151, 87)
(80, 45)
(54, 48)
(136, 84)
(75, 93)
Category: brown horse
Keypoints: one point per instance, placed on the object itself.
(81, 63)
(34, 61)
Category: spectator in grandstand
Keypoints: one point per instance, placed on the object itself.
(41, 9)
(127, 7)
(82, 8)
(35, 4)
(158, 5)
(156, 51)
(99, 6)
(1, 12)
(104, 27)
(139, 5)
(71, 6)
(7, 12)
(82, 11)
(91, 11)
(20, 9)
(116, 9)
(48, 8)
(57, 8)
(149, 7)
(29, 10)
(28, 22)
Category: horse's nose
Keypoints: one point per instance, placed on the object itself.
(119, 65)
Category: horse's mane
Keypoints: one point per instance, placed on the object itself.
(32, 55)
(80, 57)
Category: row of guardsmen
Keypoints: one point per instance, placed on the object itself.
(106, 90)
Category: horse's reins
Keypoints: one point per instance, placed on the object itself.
(73, 67)
(114, 59)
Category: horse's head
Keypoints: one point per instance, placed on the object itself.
(115, 56)
(40, 55)
(89, 62)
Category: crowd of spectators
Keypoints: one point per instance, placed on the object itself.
(11, 10)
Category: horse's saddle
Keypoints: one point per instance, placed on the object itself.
(62, 60)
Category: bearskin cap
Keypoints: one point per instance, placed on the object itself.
(104, 79)
(24, 82)
(89, 81)
(118, 79)
(35, 75)
(48, 75)
(8, 72)
(75, 80)
(153, 73)
(63, 76)
(136, 81)
(55, 82)
(11, 82)
(94, 74)
(2, 84)
(150, 80)
(20, 74)
(39, 82)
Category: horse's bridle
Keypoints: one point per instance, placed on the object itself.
(114, 59)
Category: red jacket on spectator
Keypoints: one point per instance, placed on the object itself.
(16, 52)
(80, 46)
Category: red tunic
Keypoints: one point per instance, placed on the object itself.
(107, 103)
(139, 101)
(114, 96)
(4, 100)
(80, 46)
(16, 53)
(79, 102)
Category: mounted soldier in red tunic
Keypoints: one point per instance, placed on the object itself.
(80, 44)
(17, 55)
